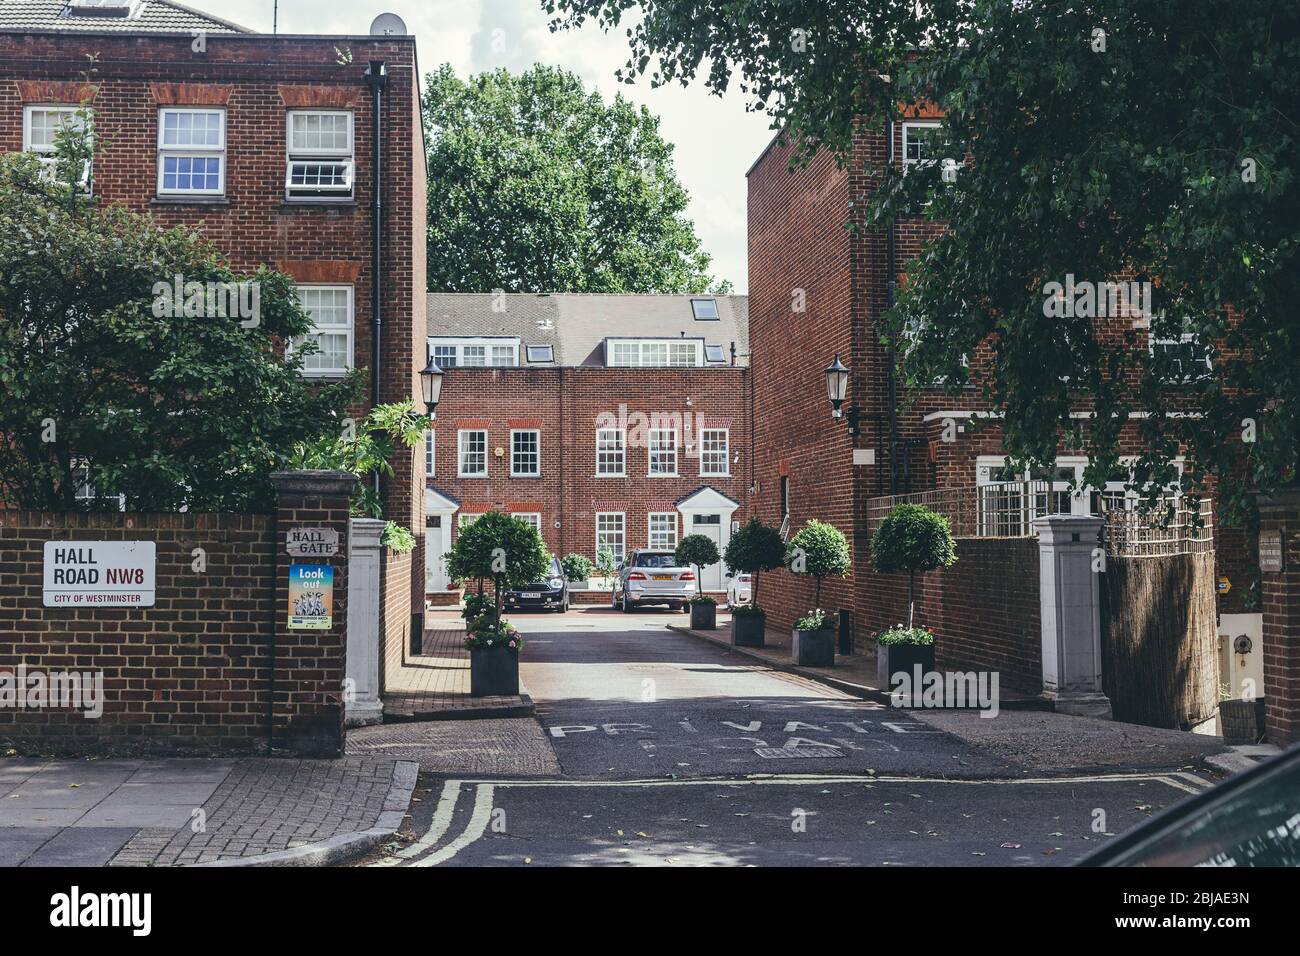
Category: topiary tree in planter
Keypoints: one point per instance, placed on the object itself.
(605, 563)
(821, 550)
(698, 551)
(504, 549)
(914, 539)
(754, 548)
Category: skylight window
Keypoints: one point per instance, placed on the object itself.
(706, 310)
(541, 353)
(100, 8)
(714, 353)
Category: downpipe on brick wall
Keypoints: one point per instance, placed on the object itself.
(377, 79)
(891, 264)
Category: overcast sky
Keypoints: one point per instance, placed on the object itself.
(716, 139)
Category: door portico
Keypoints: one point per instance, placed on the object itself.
(708, 511)
(439, 511)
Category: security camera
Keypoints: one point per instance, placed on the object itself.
(1242, 644)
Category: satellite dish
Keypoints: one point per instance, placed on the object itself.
(388, 25)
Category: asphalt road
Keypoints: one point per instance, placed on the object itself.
(672, 751)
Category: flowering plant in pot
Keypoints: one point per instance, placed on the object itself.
(754, 548)
(698, 551)
(820, 550)
(494, 647)
(900, 650)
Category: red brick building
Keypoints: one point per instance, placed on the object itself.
(817, 291)
(267, 144)
(617, 421)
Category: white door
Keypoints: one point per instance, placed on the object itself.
(710, 525)
(437, 544)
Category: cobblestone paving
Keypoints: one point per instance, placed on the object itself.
(266, 806)
(436, 682)
(476, 748)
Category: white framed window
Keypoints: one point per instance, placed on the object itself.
(531, 518)
(654, 353)
(611, 533)
(715, 452)
(331, 309)
(662, 530)
(191, 152)
(662, 443)
(450, 352)
(464, 520)
(321, 163)
(430, 453)
(1010, 498)
(541, 353)
(525, 453)
(918, 140)
(41, 125)
(1183, 355)
(473, 455)
(611, 453)
(1120, 492)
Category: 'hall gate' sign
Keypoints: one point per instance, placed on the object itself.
(99, 573)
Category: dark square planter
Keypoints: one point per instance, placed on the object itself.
(1243, 720)
(493, 672)
(704, 617)
(814, 648)
(748, 630)
(892, 658)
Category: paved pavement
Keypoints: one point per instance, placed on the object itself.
(178, 812)
(513, 747)
(434, 685)
(676, 751)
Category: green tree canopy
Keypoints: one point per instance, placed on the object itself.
(819, 549)
(755, 548)
(537, 185)
(501, 548)
(1156, 138)
(110, 393)
(912, 538)
(697, 550)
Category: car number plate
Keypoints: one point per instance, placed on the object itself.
(663, 577)
(531, 595)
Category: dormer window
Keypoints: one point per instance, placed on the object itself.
(654, 353)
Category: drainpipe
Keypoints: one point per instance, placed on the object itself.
(891, 264)
(377, 80)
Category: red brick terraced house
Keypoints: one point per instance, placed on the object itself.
(608, 421)
(304, 153)
(817, 291)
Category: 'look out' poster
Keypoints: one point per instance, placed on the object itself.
(311, 597)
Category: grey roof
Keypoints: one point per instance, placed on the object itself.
(147, 16)
(577, 325)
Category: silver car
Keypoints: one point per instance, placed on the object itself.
(740, 588)
(652, 577)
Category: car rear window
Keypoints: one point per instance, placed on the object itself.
(656, 561)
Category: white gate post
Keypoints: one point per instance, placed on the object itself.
(1070, 596)
(363, 705)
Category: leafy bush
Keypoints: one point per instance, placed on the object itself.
(899, 634)
(817, 620)
(914, 539)
(697, 550)
(476, 605)
(747, 610)
(605, 563)
(504, 549)
(703, 599)
(755, 548)
(576, 567)
(821, 550)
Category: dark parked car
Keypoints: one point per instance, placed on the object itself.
(549, 595)
(1252, 819)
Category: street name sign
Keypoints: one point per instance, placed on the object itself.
(1272, 557)
(99, 573)
(312, 542)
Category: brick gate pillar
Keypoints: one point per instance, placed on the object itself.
(309, 659)
(1279, 565)
(1071, 614)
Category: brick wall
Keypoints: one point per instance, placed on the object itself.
(190, 672)
(566, 405)
(1281, 607)
(198, 670)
